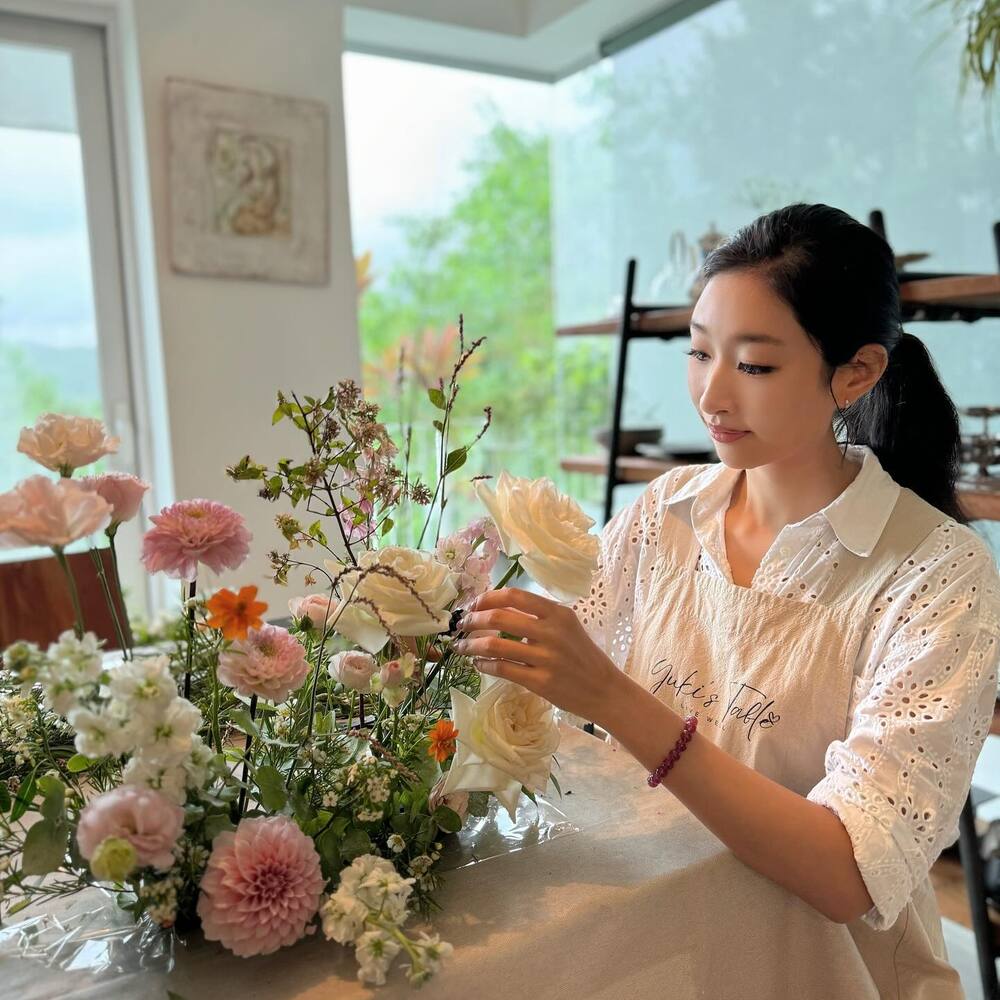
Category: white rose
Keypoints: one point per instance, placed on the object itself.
(63, 444)
(547, 529)
(402, 611)
(506, 738)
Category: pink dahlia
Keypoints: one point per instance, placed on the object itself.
(144, 817)
(261, 888)
(195, 531)
(269, 662)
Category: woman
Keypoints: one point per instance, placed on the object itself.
(823, 612)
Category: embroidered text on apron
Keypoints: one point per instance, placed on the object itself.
(770, 679)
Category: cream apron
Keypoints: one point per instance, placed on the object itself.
(770, 679)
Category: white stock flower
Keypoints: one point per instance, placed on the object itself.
(198, 766)
(547, 529)
(169, 736)
(343, 917)
(169, 779)
(506, 738)
(97, 733)
(145, 686)
(403, 612)
(375, 951)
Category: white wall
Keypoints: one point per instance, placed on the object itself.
(227, 344)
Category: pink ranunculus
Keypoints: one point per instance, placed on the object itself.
(261, 888)
(195, 531)
(315, 607)
(42, 511)
(63, 444)
(353, 669)
(144, 817)
(121, 489)
(270, 662)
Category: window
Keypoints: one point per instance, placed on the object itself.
(450, 196)
(63, 340)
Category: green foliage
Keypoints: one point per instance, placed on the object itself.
(488, 256)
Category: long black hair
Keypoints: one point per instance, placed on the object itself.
(838, 276)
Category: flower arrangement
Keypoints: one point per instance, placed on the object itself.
(264, 781)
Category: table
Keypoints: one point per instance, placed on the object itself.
(641, 902)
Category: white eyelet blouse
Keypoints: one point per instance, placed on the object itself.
(925, 677)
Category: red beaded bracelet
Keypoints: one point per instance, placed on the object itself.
(655, 777)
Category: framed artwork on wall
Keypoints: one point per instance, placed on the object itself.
(248, 184)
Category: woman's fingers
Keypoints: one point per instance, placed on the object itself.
(503, 620)
(492, 647)
(514, 597)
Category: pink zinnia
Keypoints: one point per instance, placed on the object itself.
(269, 663)
(120, 489)
(261, 888)
(144, 817)
(195, 531)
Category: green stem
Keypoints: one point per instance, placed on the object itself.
(126, 624)
(192, 591)
(246, 756)
(95, 558)
(515, 567)
(73, 593)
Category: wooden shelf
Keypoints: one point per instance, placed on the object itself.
(979, 503)
(970, 291)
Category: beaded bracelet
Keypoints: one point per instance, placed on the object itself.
(655, 777)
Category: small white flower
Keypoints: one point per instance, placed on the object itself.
(375, 951)
(396, 843)
(343, 916)
(170, 736)
(97, 733)
(144, 685)
(166, 778)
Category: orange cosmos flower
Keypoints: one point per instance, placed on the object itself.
(235, 613)
(443, 737)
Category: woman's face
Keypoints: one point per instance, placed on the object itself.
(776, 389)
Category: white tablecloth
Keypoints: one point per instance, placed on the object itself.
(643, 902)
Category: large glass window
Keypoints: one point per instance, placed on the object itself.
(749, 105)
(62, 313)
(450, 204)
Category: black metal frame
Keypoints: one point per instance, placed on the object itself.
(969, 851)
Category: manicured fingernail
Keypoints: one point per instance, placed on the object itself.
(460, 646)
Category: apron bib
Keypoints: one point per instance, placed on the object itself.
(770, 679)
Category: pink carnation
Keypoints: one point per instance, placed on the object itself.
(195, 531)
(144, 817)
(261, 888)
(42, 511)
(120, 489)
(269, 663)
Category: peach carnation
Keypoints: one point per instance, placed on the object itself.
(261, 888)
(195, 531)
(270, 662)
(42, 511)
(63, 444)
(122, 490)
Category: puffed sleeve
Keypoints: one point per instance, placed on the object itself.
(899, 779)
